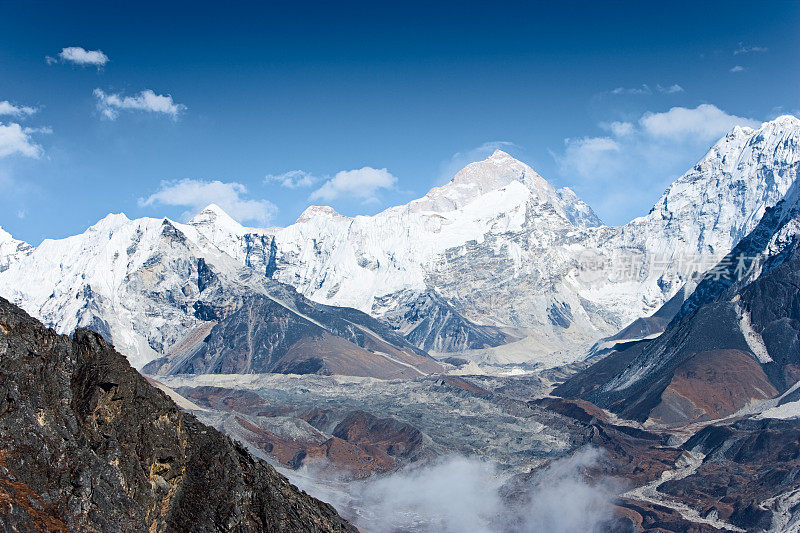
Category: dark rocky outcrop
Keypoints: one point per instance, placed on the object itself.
(746, 475)
(747, 464)
(265, 335)
(87, 444)
(630, 455)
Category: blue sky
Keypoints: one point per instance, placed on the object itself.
(369, 104)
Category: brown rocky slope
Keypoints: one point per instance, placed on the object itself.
(86, 444)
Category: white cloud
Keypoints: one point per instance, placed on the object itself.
(9, 109)
(644, 89)
(457, 494)
(588, 155)
(110, 105)
(80, 56)
(672, 89)
(197, 194)
(623, 173)
(294, 179)
(619, 129)
(14, 139)
(594, 144)
(484, 150)
(738, 68)
(363, 183)
(706, 122)
(749, 49)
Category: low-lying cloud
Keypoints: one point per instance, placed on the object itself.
(459, 494)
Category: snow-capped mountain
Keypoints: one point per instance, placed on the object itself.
(11, 250)
(497, 262)
(160, 290)
(499, 247)
(734, 343)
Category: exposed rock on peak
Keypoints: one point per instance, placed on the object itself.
(214, 214)
(313, 211)
(495, 172)
(11, 250)
(500, 154)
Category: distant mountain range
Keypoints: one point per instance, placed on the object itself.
(496, 265)
(163, 294)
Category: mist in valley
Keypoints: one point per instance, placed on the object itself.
(457, 494)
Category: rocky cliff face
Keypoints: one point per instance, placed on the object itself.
(86, 444)
(748, 476)
(266, 334)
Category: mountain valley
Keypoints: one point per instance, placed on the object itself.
(494, 330)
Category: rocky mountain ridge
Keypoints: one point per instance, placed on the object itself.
(732, 344)
(159, 290)
(86, 444)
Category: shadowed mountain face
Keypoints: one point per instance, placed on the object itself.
(86, 444)
(733, 342)
(290, 335)
(434, 324)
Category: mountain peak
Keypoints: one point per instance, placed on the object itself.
(499, 154)
(495, 172)
(214, 209)
(787, 120)
(313, 211)
(111, 221)
(214, 215)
